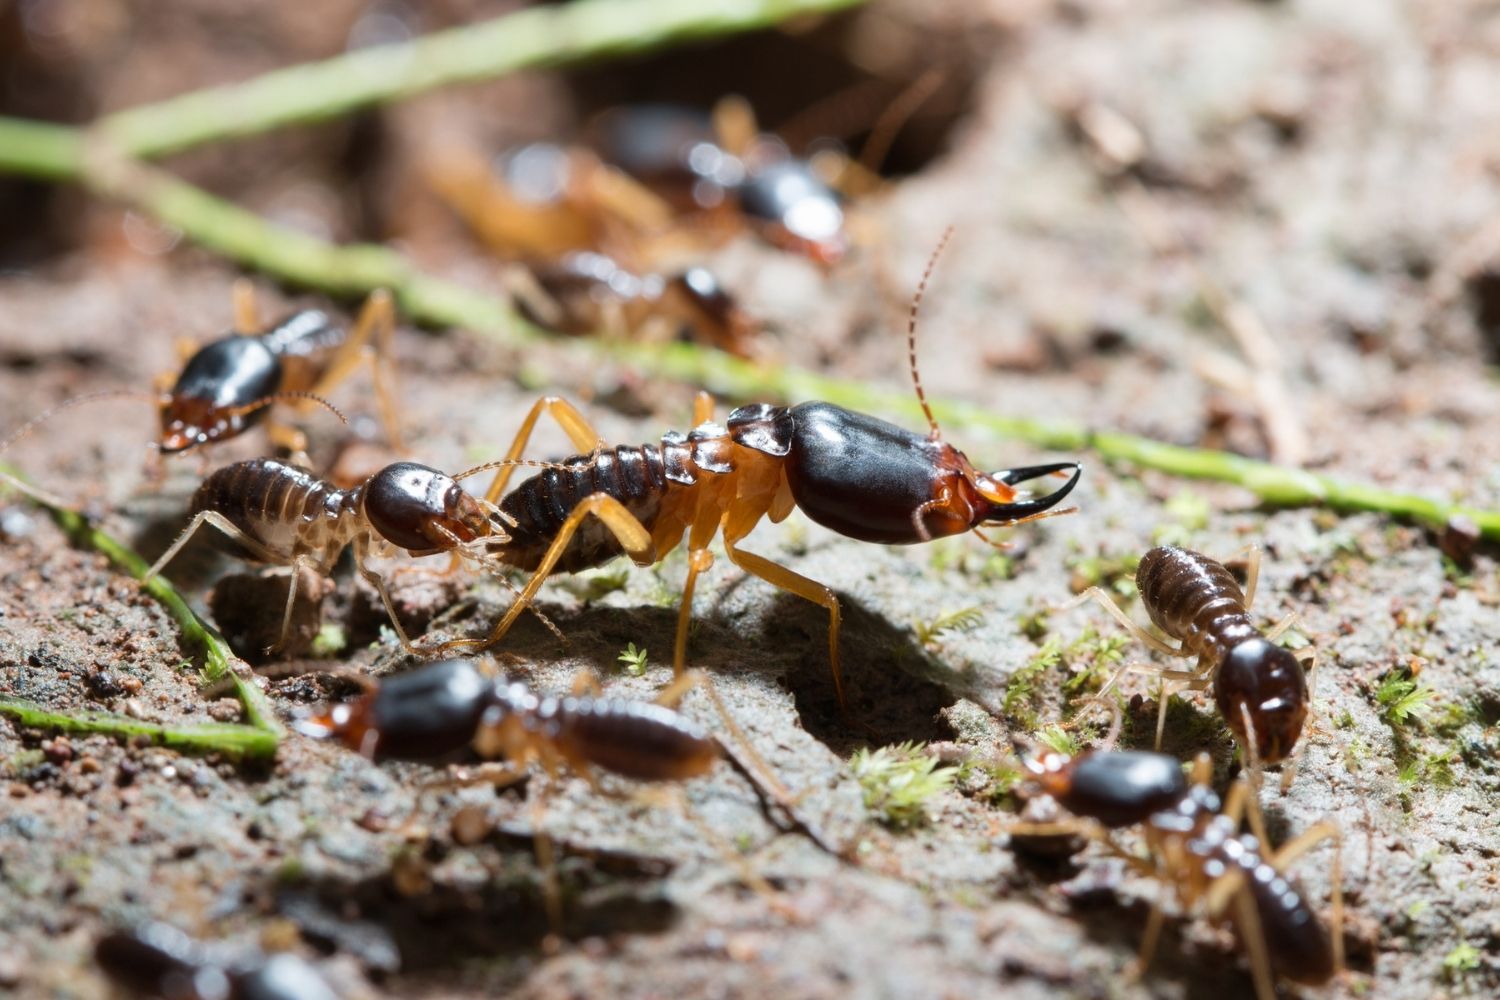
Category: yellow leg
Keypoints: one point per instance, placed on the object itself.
(369, 342)
(779, 576)
(216, 520)
(291, 602)
(633, 538)
(703, 408)
(577, 427)
(698, 561)
(246, 314)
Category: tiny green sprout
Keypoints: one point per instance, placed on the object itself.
(330, 641)
(1061, 740)
(898, 780)
(1188, 514)
(633, 660)
(1345, 720)
(961, 620)
(1402, 699)
(1416, 909)
(1461, 961)
(1022, 684)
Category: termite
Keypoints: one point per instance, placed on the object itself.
(443, 707)
(227, 386)
(283, 515)
(159, 960)
(587, 292)
(1196, 849)
(862, 477)
(1259, 687)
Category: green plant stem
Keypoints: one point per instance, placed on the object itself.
(217, 659)
(238, 742)
(533, 37)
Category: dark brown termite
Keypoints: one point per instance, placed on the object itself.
(1196, 851)
(228, 385)
(862, 477)
(282, 515)
(443, 707)
(1259, 687)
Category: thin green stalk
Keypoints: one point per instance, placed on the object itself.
(37, 149)
(234, 741)
(536, 36)
(217, 658)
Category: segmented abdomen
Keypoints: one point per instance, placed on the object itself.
(272, 502)
(1193, 598)
(1296, 941)
(637, 476)
(638, 740)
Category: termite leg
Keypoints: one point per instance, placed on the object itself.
(577, 427)
(1254, 936)
(1151, 936)
(291, 602)
(703, 408)
(369, 342)
(1275, 631)
(291, 440)
(1252, 755)
(377, 581)
(217, 520)
(699, 560)
(1116, 612)
(779, 576)
(246, 314)
(631, 534)
(1196, 683)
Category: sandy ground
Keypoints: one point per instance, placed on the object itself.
(1329, 167)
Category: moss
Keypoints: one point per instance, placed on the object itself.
(898, 781)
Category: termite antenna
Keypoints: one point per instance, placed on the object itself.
(38, 494)
(512, 463)
(265, 401)
(92, 397)
(911, 333)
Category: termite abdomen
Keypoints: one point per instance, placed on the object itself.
(633, 739)
(1123, 788)
(1297, 943)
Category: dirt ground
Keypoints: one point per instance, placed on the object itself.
(1332, 169)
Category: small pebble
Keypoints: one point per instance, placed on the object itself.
(224, 710)
(1459, 539)
(470, 825)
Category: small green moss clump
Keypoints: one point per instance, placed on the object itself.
(898, 781)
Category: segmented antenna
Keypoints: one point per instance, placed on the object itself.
(36, 492)
(265, 401)
(911, 333)
(518, 463)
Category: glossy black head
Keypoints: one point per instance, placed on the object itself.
(1122, 787)
(429, 712)
(877, 482)
(423, 510)
(1272, 688)
(235, 371)
(800, 212)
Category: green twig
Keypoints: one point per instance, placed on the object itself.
(217, 658)
(238, 742)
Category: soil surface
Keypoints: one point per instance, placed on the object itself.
(1132, 184)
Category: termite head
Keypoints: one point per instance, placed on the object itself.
(1261, 682)
(798, 210)
(423, 510)
(211, 400)
(429, 712)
